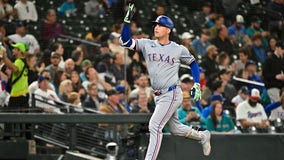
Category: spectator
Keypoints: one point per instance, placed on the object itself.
(188, 114)
(257, 49)
(21, 36)
(19, 96)
(209, 64)
(5, 74)
(213, 99)
(77, 57)
(50, 29)
(200, 45)
(6, 10)
(278, 111)
(142, 105)
(255, 27)
(93, 77)
(222, 41)
(34, 86)
(160, 10)
(26, 11)
(59, 76)
(218, 121)
(273, 75)
(69, 66)
(251, 70)
(243, 95)
(74, 99)
(3, 40)
(32, 70)
(186, 82)
(57, 47)
(136, 67)
(104, 66)
(143, 84)
(67, 8)
(204, 17)
(117, 68)
(271, 45)
(229, 90)
(82, 48)
(223, 61)
(112, 106)
(251, 113)
(275, 13)
(92, 100)
(54, 66)
(237, 32)
(186, 40)
(115, 47)
(218, 22)
(244, 75)
(48, 96)
(76, 81)
(243, 58)
(84, 65)
(65, 88)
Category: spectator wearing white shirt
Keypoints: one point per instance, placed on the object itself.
(43, 93)
(20, 36)
(34, 86)
(251, 113)
(26, 11)
(242, 95)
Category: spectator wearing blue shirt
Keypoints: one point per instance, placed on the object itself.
(257, 49)
(237, 31)
(200, 44)
(251, 69)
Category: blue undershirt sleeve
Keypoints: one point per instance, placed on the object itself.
(125, 39)
(195, 72)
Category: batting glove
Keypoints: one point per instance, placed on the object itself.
(129, 13)
(195, 92)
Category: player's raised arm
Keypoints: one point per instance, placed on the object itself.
(195, 90)
(125, 39)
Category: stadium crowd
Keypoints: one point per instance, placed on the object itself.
(241, 62)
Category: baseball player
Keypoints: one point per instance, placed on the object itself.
(163, 58)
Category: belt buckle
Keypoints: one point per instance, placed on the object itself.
(157, 92)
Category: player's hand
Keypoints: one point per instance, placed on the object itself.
(195, 92)
(129, 13)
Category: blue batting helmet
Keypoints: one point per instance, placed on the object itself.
(164, 21)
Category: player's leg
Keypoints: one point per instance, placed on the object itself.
(166, 104)
(179, 129)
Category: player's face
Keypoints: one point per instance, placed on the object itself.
(161, 31)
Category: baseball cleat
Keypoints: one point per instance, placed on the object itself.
(205, 142)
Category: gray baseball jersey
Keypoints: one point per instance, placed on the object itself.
(163, 61)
